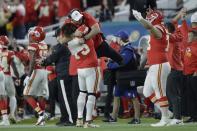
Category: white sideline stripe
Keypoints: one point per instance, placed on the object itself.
(66, 100)
(102, 125)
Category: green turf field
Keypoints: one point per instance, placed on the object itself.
(121, 125)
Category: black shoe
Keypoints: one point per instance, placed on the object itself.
(60, 123)
(69, 124)
(110, 119)
(191, 119)
(135, 121)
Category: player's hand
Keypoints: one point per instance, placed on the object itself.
(78, 33)
(17, 82)
(137, 15)
(26, 81)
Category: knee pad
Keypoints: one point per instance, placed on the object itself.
(91, 98)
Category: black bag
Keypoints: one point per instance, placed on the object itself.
(130, 79)
(109, 77)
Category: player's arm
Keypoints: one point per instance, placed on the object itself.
(32, 62)
(153, 30)
(13, 65)
(53, 58)
(95, 29)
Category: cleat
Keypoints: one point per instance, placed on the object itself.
(5, 123)
(175, 122)
(162, 122)
(41, 119)
(79, 123)
(135, 121)
(90, 125)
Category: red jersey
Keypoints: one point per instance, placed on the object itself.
(87, 56)
(31, 13)
(89, 21)
(22, 55)
(190, 58)
(156, 53)
(51, 73)
(5, 60)
(40, 50)
(174, 51)
(45, 14)
(19, 18)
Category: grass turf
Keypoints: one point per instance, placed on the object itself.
(121, 125)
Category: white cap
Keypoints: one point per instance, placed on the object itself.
(76, 15)
(194, 17)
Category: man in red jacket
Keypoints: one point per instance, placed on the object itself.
(190, 67)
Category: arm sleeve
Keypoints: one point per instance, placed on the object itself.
(53, 58)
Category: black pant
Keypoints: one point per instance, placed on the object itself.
(173, 91)
(192, 95)
(75, 94)
(109, 100)
(65, 99)
(53, 95)
(104, 50)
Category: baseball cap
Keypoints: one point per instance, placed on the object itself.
(76, 15)
(122, 34)
(194, 17)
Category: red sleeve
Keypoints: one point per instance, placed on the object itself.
(23, 56)
(184, 29)
(177, 36)
(89, 20)
(17, 19)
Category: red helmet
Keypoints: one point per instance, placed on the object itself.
(37, 34)
(4, 41)
(155, 17)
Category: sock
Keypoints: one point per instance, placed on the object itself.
(3, 106)
(163, 102)
(125, 104)
(90, 107)
(12, 105)
(81, 104)
(42, 103)
(32, 102)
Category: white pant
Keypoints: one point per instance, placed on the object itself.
(9, 86)
(156, 80)
(2, 83)
(89, 79)
(38, 84)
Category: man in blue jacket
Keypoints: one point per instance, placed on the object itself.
(130, 60)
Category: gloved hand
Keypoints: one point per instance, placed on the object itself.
(137, 15)
(26, 81)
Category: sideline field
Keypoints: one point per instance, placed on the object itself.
(121, 125)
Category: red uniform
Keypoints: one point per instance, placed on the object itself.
(31, 14)
(41, 50)
(6, 59)
(157, 51)
(174, 51)
(89, 60)
(190, 58)
(89, 21)
(51, 73)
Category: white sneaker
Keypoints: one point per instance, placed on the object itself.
(42, 123)
(162, 122)
(90, 125)
(42, 118)
(12, 119)
(79, 123)
(5, 123)
(175, 122)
